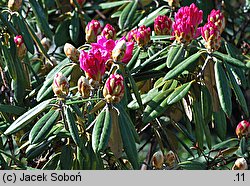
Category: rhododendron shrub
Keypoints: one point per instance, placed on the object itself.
(156, 85)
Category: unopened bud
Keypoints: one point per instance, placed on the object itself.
(162, 25)
(174, 3)
(60, 85)
(157, 160)
(18, 40)
(243, 129)
(142, 35)
(109, 32)
(84, 87)
(92, 30)
(46, 43)
(113, 90)
(14, 5)
(170, 158)
(71, 52)
(240, 164)
(119, 50)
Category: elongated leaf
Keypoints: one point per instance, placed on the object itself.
(106, 130)
(223, 89)
(128, 142)
(41, 18)
(237, 91)
(232, 142)
(184, 65)
(23, 120)
(74, 28)
(72, 126)
(43, 127)
(134, 58)
(193, 165)
(52, 163)
(229, 59)
(97, 130)
(112, 4)
(11, 109)
(179, 93)
(131, 14)
(124, 15)
(36, 150)
(206, 108)
(175, 55)
(220, 124)
(66, 158)
(62, 35)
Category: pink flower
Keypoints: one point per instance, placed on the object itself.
(92, 30)
(93, 64)
(243, 129)
(107, 46)
(18, 40)
(109, 32)
(211, 35)
(217, 17)
(113, 90)
(187, 20)
(162, 25)
(140, 35)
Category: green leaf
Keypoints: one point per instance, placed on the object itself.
(176, 54)
(179, 93)
(206, 101)
(112, 4)
(72, 126)
(161, 37)
(74, 28)
(223, 89)
(229, 59)
(61, 34)
(41, 18)
(220, 123)
(134, 58)
(184, 65)
(66, 158)
(232, 142)
(153, 104)
(124, 15)
(193, 165)
(43, 127)
(237, 91)
(128, 141)
(52, 163)
(36, 150)
(25, 34)
(149, 19)
(131, 15)
(28, 116)
(97, 130)
(11, 109)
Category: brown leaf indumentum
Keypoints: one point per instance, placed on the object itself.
(210, 83)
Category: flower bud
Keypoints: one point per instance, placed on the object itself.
(119, 51)
(109, 32)
(162, 25)
(211, 35)
(84, 87)
(18, 40)
(92, 30)
(60, 85)
(113, 90)
(157, 160)
(46, 43)
(142, 36)
(21, 48)
(243, 129)
(14, 5)
(170, 158)
(240, 164)
(217, 17)
(71, 52)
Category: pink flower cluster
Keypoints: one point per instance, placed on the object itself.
(103, 49)
(140, 35)
(212, 29)
(162, 25)
(187, 20)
